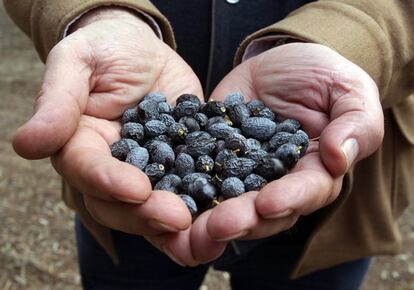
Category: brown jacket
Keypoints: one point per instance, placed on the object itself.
(378, 35)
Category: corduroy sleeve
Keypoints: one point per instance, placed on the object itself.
(45, 21)
(377, 35)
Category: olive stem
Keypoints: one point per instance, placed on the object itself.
(215, 202)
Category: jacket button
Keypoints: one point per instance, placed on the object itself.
(232, 1)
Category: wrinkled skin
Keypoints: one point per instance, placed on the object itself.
(332, 98)
(107, 64)
(112, 59)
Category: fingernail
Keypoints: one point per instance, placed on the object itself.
(127, 200)
(233, 237)
(350, 149)
(280, 214)
(172, 257)
(161, 226)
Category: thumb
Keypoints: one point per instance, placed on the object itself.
(58, 106)
(356, 129)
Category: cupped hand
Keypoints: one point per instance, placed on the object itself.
(108, 63)
(333, 99)
(119, 195)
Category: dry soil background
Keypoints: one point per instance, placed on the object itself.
(36, 239)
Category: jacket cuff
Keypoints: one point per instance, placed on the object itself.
(49, 22)
(147, 18)
(259, 45)
(342, 27)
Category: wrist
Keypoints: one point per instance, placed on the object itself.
(262, 44)
(105, 13)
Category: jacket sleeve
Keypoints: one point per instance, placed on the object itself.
(45, 21)
(377, 35)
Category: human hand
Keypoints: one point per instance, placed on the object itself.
(110, 60)
(332, 98)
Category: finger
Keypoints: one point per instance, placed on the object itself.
(269, 227)
(357, 125)
(86, 163)
(204, 248)
(192, 246)
(162, 212)
(233, 218)
(176, 245)
(59, 105)
(237, 219)
(307, 188)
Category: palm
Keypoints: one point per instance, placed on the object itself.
(330, 96)
(91, 77)
(123, 68)
(88, 166)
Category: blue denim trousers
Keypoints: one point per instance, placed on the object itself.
(253, 265)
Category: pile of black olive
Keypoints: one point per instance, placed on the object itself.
(208, 152)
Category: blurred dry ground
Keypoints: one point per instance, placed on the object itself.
(37, 248)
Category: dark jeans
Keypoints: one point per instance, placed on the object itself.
(261, 265)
